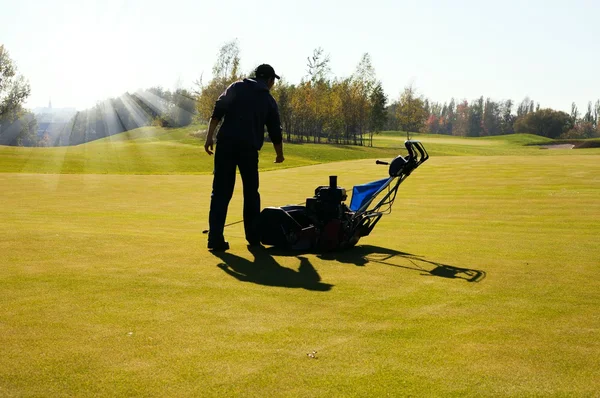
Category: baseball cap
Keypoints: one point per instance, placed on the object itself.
(265, 71)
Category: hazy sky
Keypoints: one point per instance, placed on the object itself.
(77, 52)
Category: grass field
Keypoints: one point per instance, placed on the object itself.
(483, 281)
(155, 150)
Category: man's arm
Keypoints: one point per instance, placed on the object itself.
(221, 106)
(210, 140)
(274, 129)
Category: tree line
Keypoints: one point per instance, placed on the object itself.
(154, 106)
(320, 108)
(481, 118)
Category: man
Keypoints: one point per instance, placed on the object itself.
(247, 107)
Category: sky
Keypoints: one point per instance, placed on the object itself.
(78, 52)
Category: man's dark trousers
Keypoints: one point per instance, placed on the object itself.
(228, 157)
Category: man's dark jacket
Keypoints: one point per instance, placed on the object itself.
(247, 106)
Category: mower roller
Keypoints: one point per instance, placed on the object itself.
(325, 222)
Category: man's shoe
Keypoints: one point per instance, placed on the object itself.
(255, 243)
(218, 246)
(255, 246)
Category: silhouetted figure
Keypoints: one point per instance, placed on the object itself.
(247, 107)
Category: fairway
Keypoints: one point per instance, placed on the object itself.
(483, 281)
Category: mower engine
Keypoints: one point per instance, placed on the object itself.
(322, 224)
(327, 204)
(329, 214)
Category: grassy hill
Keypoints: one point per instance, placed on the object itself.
(156, 150)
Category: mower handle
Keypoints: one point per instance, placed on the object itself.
(381, 162)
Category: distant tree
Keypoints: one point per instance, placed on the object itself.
(363, 84)
(378, 102)
(436, 117)
(392, 122)
(574, 113)
(227, 66)
(318, 65)
(524, 107)
(310, 103)
(449, 118)
(183, 107)
(475, 118)
(284, 93)
(14, 90)
(225, 71)
(545, 122)
(22, 131)
(432, 124)
(586, 126)
(411, 110)
(589, 115)
(461, 126)
(426, 106)
(507, 118)
(492, 120)
(581, 130)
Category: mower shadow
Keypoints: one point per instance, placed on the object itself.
(361, 255)
(264, 270)
(364, 254)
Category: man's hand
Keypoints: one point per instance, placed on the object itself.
(279, 152)
(210, 134)
(208, 144)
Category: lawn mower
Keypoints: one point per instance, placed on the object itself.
(325, 222)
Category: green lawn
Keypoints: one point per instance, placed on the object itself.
(483, 281)
(156, 150)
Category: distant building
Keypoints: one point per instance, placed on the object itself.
(52, 121)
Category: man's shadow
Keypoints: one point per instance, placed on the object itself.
(364, 254)
(264, 270)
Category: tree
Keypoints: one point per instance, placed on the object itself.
(574, 113)
(363, 83)
(411, 110)
(524, 107)
(183, 107)
(475, 118)
(589, 115)
(449, 118)
(580, 130)
(316, 90)
(392, 116)
(378, 101)
(225, 71)
(507, 118)
(491, 123)
(284, 93)
(461, 125)
(318, 65)
(545, 122)
(14, 90)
